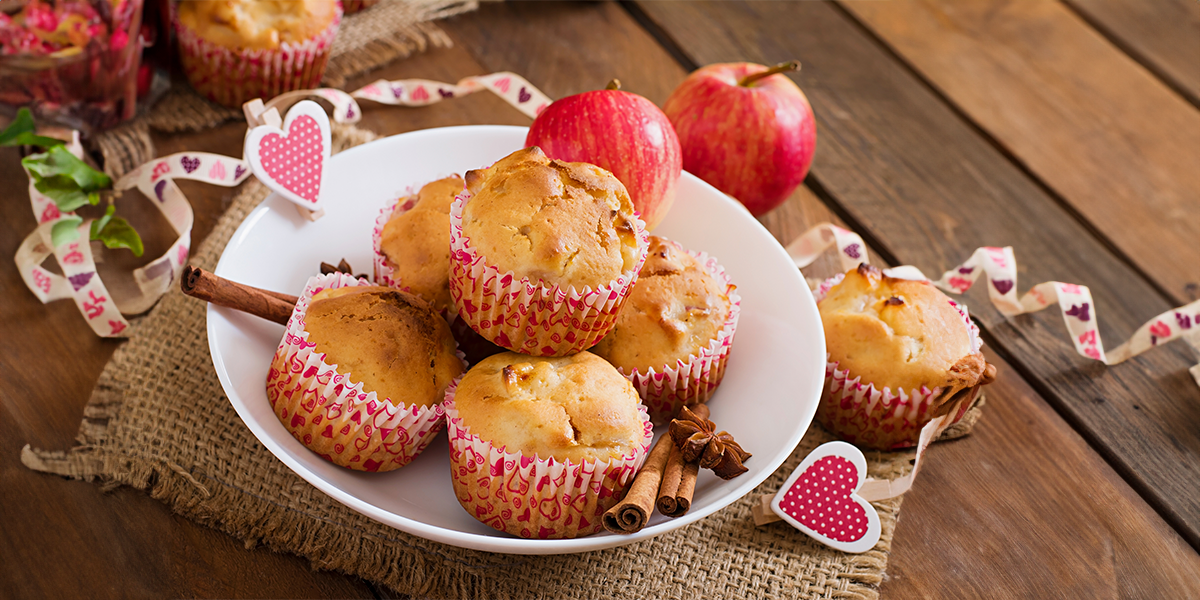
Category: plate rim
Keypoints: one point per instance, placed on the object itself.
(476, 541)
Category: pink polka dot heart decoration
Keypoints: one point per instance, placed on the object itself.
(819, 499)
(291, 160)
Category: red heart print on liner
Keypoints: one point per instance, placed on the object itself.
(820, 499)
(295, 160)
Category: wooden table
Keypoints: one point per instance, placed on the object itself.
(1069, 130)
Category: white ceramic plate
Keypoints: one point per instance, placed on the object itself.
(767, 399)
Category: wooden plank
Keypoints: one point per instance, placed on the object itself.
(1164, 36)
(981, 496)
(1116, 143)
(928, 189)
(1029, 508)
(61, 537)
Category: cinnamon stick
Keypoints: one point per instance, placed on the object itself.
(272, 306)
(631, 514)
(679, 478)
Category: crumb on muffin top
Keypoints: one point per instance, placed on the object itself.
(416, 243)
(390, 341)
(257, 24)
(898, 333)
(675, 309)
(575, 408)
(561, 223)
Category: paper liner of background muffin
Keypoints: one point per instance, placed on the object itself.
(863, 413)
(535, 497)
(329, 412)
(233, 76)
(691, 381)
(525, 316)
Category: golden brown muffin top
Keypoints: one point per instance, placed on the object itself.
(566, 224)
(416, 243)
(675, 309)
(257, 24)
(390, 341)
(574, 408)
(898, 333)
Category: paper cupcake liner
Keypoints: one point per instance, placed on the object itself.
(231, 77)
(873, 416)
(329, 413)
(526, 316)
(692, 381)
(531, 497)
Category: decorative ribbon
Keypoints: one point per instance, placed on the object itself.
(999, 265)
(79, 281)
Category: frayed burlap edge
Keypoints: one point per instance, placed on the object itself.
(722, 556)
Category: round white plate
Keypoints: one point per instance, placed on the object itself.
(766, 401)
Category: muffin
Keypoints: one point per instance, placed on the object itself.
(361, 373)
(674, 333)
(234, 51)
(541, 447)
(544, 253)
(412, 243)
(898, 351)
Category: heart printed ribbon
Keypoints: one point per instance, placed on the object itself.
(999, 265)
(79, 280)
(513, 88)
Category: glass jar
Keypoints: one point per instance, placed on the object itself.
(74, 62)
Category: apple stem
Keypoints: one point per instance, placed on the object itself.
(783, 67)
(613, 85)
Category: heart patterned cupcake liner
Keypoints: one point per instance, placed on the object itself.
(693, 380)
(384, 273)
(532, 497)
(231, 77)
(525, 316)
(875, 416)
(331, 414)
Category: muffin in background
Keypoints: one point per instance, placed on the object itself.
(541, 447)
(361, 373)
(233, 51)
(412, 243)
(544, 253)
(675, 331)
(898, 351)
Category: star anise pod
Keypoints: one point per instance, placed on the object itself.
(699, 440)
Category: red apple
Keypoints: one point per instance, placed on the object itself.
(745, 129)
(619, 131)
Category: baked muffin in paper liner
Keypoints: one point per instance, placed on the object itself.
(533, 497)
(233, 76)
(424, 198)
(690, 381)
(879, 417)
(526, 316)
(330, 413)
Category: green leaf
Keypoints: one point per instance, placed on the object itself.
(118, 233)
(65, 230)
(99, 224)
(21, 133)
(64, 191)
(59, 161)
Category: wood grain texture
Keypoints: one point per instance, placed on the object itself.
(65, 538)
(1115, 142)
(1022, 505)
(913, 174)
(1164, 36)
(1033, 512)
